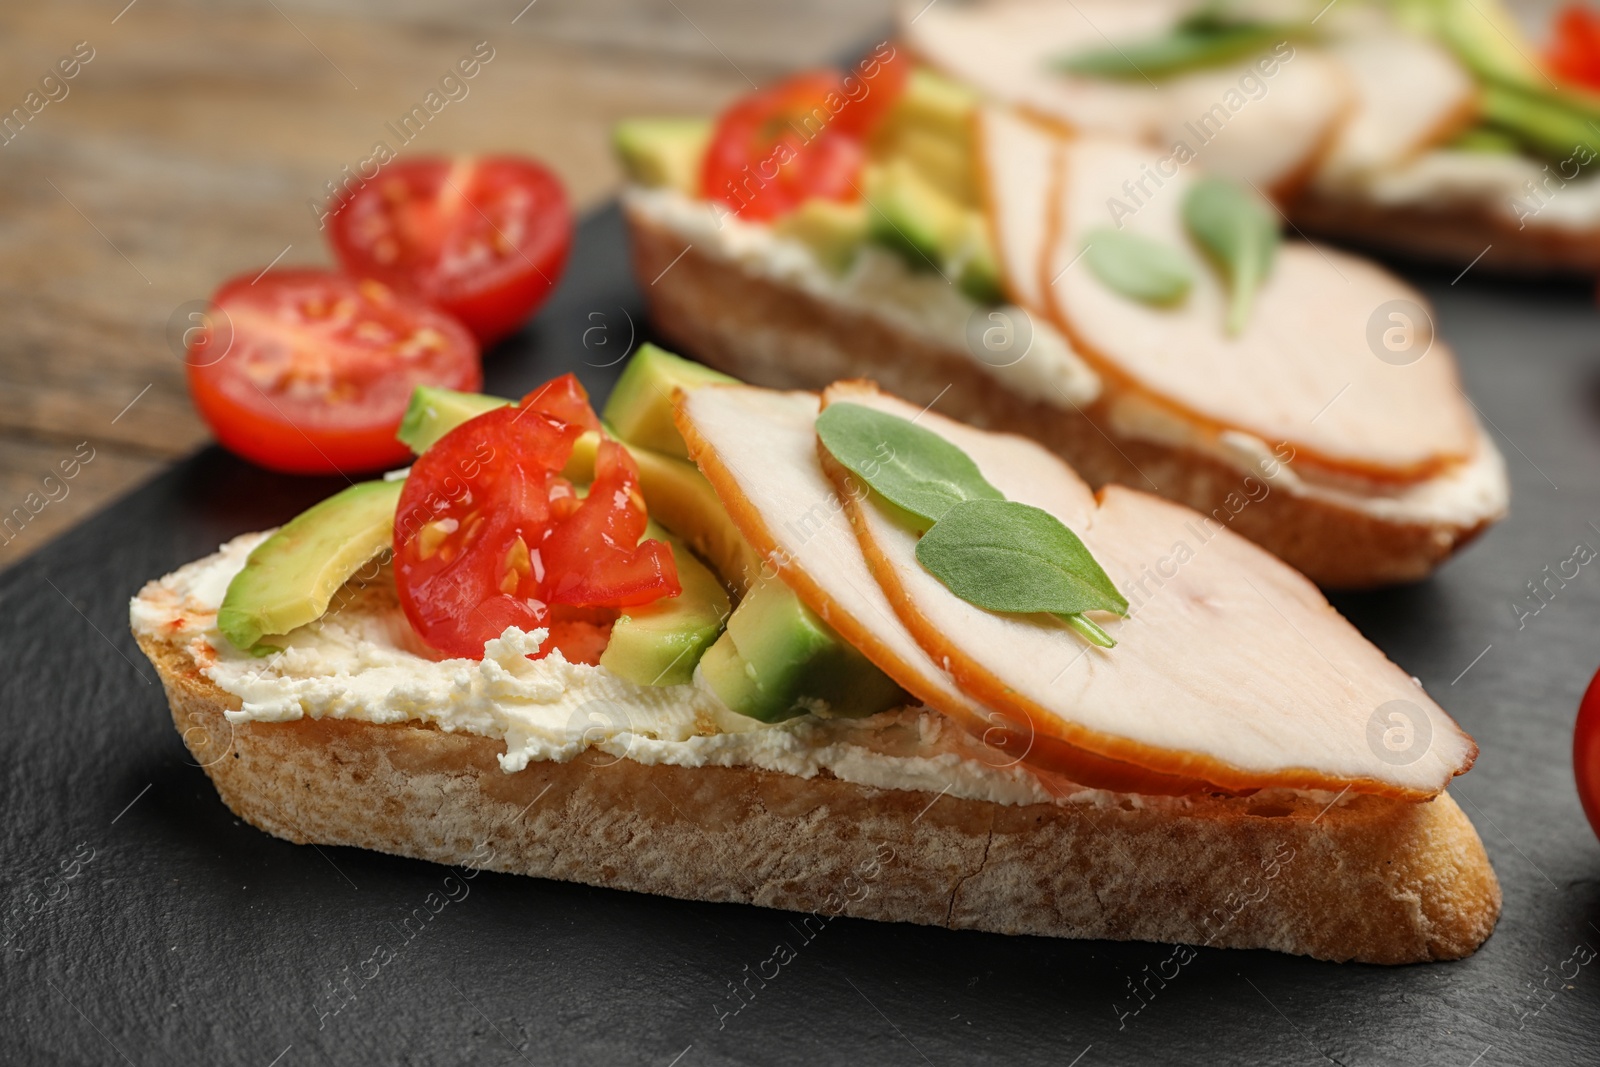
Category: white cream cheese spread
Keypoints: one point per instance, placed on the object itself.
(878, 283)
(1463, 495)
(368, 665)
(1525, 192)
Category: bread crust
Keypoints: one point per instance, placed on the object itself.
(1371, 880)
(1451, 235)
(777, 335)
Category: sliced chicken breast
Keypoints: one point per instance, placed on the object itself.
(1231, 667)
(1018, 161)
(1410, 94)
(1337, 358)
(1265, 119)
(758, 449)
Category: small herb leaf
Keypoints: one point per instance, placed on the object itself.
(1006, 556)
(1240, 233)
(1193, 44)
(1138, 267)
(909, 466)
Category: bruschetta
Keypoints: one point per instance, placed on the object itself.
(1432, 129)
(1084, 290)
(753, 686)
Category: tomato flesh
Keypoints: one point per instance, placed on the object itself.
(488, 534)
(1574, 53)
(309, 372)
(484, 239)
(802, 138)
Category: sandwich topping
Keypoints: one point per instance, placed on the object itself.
(1230, 670)
(363, 662)
(872, 591)
(1157, 299)
(880, 282)
(1428, 105)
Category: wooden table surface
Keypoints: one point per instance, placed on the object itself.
(187, 148)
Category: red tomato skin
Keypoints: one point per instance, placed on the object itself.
(488, 534)
(1574, 52)
(802, 138)
(596, 552)
(427, 204)
(275, 434)
(491, 475)
(563, 398)
(1586, 753)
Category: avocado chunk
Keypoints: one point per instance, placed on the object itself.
(931, 127)
(910, 216)
(833, 231)
(932, 231)
(663, 151)
(1486, 140)
(434, 412)
(1545, 123)
(292, 575)
(976, 270)
(676, 494)
(934, 103)
(640, 406)
(1483, 34)
(660, 643)
(778, 659)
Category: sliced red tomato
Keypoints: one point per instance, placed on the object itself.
(1586, 753)
(594, 556)
(802, 138)
(1574, 52)
(488, 534)
(484, 239)
(309, 372)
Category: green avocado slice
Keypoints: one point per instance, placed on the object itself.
(778, 659)
(290, 577)
(434, 412)
(640, 406)
(663, 151)
(661, 642)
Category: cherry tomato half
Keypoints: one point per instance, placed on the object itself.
(488, 534)
(802, 138)
(484, 239)
(1586, 753)
(1574, 52)
(307, 371)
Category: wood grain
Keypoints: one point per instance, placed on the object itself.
(188, 148)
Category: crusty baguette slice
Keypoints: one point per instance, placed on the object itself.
(1368, 879)
(1452, 235)
(770, 333)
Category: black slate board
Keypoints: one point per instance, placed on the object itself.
(143, 924)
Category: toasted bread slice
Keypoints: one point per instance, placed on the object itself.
(772, 329)
(1351, 878)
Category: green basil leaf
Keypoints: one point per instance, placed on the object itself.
(1005, 556)
(1137, 267)
(1194, 44)
(913, 468)
(1238, 231)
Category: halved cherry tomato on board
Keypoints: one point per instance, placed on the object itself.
(804, 137)
(1574, 52)
(488, 534)
(309, 372)
(484, 239)
(1586, 753)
